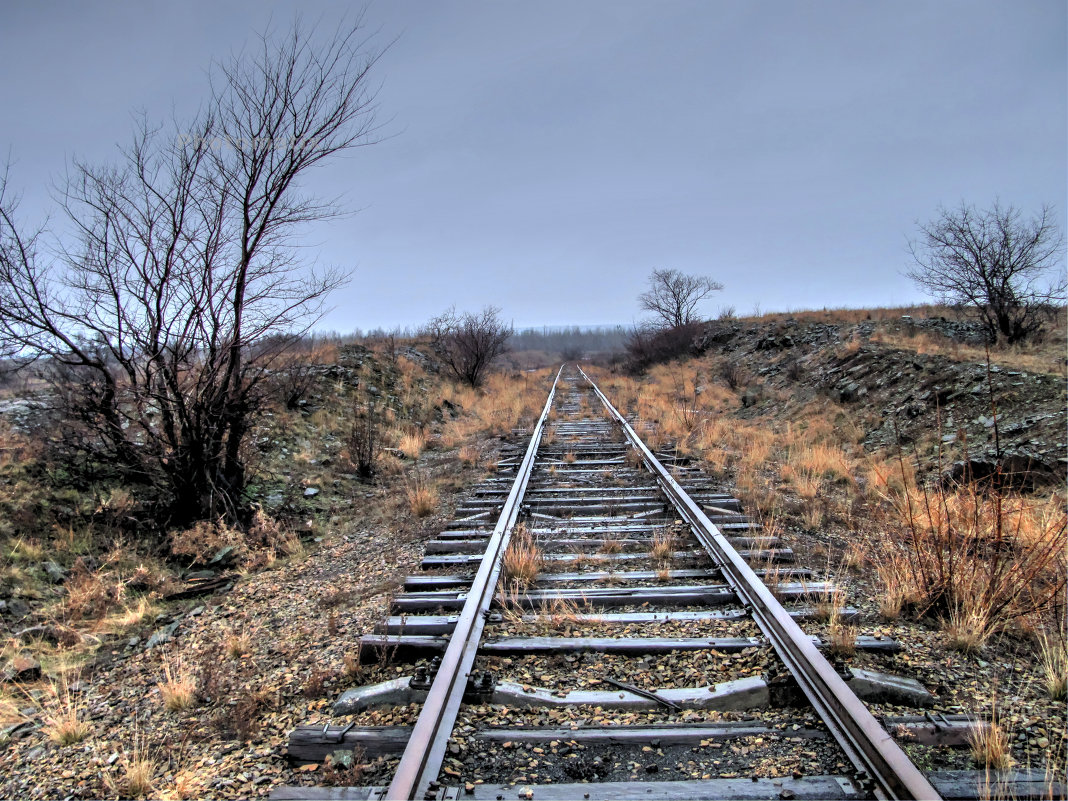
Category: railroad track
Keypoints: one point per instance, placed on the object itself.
(656, 653)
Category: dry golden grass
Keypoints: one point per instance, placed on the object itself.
(663, 546)
(990, 745)
(187, 784)
(91, 594)
(755, 447)
(807, 485)
(130, 615)
(205, 539)
(63, 723)
(822, 460)
(855, 557)
(422, 497)
(9, 708)
(967, 626)
(468, 455)
(844, 315)
(841, 638)
(828, 602)
(814, 515)
(850, 347)
(610, 546)
(351, 666)
(178, 688)
(1053, 659)
(897, 590)
(237, 644)
(552, 617)
(137, 779)
(412, 443)
(388, 464)
(569, 457)
(23, 550)
(1043, 355)
(976, 556)
(522, 559)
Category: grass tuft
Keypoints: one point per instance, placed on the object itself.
(63, 722)
(237, 644)
(522, 559)
(1053, 659)
(178, 688)
(990, 745)
(412, 444)
(663, 546)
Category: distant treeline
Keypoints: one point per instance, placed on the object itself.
(575, 339)
(551, 339)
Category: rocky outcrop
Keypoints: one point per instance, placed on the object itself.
(905, 397)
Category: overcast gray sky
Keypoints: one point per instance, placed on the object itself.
(545, 157)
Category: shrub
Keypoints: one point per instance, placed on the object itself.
(734, 375)
(974, 555)
(363, 443)
(468, 343)
(646, 347)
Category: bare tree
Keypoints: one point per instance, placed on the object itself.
(183, 263)
(673, 296)
(468, 343)
(994, 261)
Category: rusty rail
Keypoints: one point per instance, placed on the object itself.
(868, 745)
(422, 758)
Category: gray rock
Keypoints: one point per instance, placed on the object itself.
(223, 556)
(851, 392)
(23, 668)
(873, 686)
(55, 573)
(751, 397)
(311, 492)
(16, 608)
(165, 634)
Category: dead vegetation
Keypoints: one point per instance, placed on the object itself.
(523, 559)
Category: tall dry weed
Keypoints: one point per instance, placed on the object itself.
(976, 555)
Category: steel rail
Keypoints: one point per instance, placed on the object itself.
(422, 758)
(867, 744)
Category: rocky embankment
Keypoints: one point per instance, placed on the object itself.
(918, 400)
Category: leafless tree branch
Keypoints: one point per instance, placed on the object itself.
(993, 260)
(673, 296)
(468, 343)
(182, 264)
